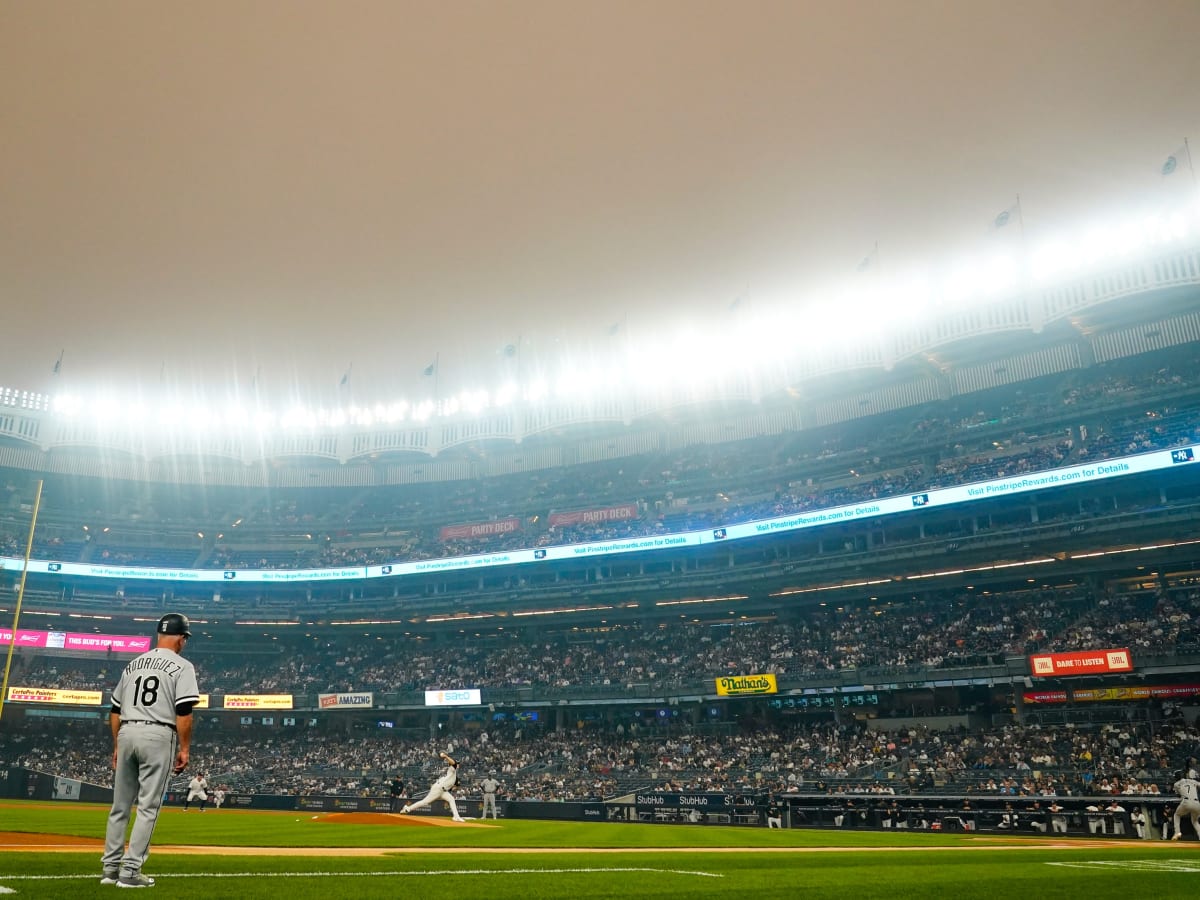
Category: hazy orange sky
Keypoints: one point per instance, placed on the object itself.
(196, 193)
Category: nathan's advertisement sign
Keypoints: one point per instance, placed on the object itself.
(258, 701)
(1087, 662)
(55, 695)
(654, 800)
(361, 700)
(595, 516)
(463, 697)
(70, 640)
(479, 529)
(735, 685)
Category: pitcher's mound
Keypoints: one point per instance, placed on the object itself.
(373, 818)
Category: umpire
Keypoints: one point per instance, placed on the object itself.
(490, 785)
(397, 792)
(151, 723)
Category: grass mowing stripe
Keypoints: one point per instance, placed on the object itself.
(578, 871)
(1149, 865)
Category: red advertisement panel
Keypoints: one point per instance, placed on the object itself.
(593, 516)
(479, 529)
(1044, 696)
(1087, 662)
(68, 640)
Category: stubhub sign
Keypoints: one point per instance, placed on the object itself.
(462, 697)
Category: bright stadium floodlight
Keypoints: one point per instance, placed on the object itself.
(1098, 244)
(506, 394)
(394, 412)
(1170, 229)
(423, 411)
(537, 391)
(107, 409)
(67, 405)
(570, 384)
(1051, 259)
(912, 295)
(170, 416)
(296, 417)
(136, 413)
(236, 416)
(959, 285)
(193, 418)
(473, 402)
(999, 275)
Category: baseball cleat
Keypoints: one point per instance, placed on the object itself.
(404, 811)
(459, 819)
(109, 878)
(136, 880)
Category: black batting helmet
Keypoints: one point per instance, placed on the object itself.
(174, 623)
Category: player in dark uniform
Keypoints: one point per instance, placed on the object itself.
(397, 792)
(151, 722)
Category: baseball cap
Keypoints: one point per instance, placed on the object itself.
(174, 623)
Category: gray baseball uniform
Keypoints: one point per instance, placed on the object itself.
(490, 786)
(1188, 790)
(153, 689)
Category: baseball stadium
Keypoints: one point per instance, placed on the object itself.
(734, 569)
(885, 628)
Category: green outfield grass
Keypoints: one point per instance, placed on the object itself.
(600, 860)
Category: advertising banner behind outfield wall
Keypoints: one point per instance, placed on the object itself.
(479, 529)
(464, 697)
(345, 804)
(69, 640)
(1099, 695)
(55, 696)
(361, 700)
(1087, 662)
(258, 701)
(591, 516)
(705, 802)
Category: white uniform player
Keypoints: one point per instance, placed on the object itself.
(197, 790)
(1188, 790)
(151, 721)
(441, 790)
(218, 797)
(490, 785)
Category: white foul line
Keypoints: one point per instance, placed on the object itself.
(173, 876)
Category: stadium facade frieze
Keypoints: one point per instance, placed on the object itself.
(29, 418)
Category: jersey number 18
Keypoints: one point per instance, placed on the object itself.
(145, 693)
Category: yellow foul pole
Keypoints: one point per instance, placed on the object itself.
(37, 502)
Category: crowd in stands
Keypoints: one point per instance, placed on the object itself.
(941, 631)
(538, 763)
